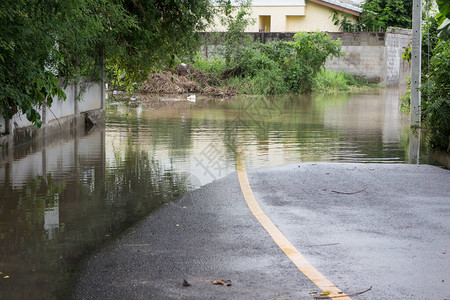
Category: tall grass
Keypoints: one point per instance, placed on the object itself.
(328, 81)
(214, 65)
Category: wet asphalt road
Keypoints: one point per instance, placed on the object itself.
(360, 225)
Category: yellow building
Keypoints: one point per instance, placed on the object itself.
(295, 15)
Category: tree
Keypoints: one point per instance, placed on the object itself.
(234, 15)
(45, 42)
(380, 14)
(436, 88)
(435, 100)
(443, 18)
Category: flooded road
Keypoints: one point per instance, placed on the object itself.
(62, 198)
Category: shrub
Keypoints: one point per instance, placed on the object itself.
(326, 81)
(264, 82)
(214, 65)
(280, 67)
(259, 73)
(436, 98)
(311, 53)
(329, 81)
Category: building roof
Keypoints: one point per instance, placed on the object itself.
(266, 2)
(347, 6)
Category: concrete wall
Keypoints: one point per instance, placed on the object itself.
(85, 98)
(375, 56)
(397, 68)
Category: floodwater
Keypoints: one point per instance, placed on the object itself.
(62, 198)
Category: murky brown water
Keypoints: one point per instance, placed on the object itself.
(62, 198)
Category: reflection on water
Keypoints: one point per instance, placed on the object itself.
(61, 199)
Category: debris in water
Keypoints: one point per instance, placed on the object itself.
(90, 121)
(192, 98)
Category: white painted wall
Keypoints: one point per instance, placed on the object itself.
(91, 95)
(61, 108)
(92, 99)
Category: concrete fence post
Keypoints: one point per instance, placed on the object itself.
(416, 61)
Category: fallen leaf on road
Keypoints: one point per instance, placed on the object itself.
(222, 282)
(185, 283)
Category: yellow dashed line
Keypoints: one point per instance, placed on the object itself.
(294, 255)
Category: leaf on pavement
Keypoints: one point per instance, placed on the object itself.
(185, 283)
(222, 282)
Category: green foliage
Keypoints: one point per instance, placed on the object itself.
(344, 22)
(235, 19)
(214, 65)
(328, 81)
(261, 75)
(435, 89)
(380, 14)
(444, 10)
(436, 97)
(41, 41)
(283, 67)
(429, 42)
(310, 52)
(166, 29)
(443, 18)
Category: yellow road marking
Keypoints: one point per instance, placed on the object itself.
(294, 255)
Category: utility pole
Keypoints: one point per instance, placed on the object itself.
(416, 63)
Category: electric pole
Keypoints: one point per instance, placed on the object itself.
(416, 63)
